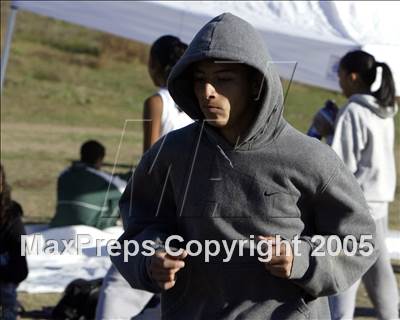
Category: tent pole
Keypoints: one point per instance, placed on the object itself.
(7, 44)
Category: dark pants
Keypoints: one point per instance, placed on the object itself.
(8, 301)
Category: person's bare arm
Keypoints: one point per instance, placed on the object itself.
(152, 112)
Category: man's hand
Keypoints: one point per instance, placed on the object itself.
(279, 265)
(163, 268)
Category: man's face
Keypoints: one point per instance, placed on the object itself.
(222, 90)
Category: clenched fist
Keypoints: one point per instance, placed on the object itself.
(163, 268)
(279, 265)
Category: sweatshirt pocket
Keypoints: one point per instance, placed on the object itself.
(280, 205)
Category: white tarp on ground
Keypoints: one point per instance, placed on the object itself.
(315, 34)
(52, 273)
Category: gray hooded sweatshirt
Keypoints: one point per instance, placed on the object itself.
(364, 140)
(275, 181)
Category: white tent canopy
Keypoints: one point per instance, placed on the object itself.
(307, 34)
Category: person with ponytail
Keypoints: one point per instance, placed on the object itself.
(364, 139)
(160, 114)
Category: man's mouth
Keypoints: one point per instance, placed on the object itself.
(212, 108)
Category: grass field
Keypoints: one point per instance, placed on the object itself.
(66, 84)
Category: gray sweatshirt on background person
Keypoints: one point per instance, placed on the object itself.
(274, 181)
(364, 140)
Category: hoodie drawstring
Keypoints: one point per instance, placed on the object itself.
(225, 156)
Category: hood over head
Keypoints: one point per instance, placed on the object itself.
(370, 102)
(228, 37)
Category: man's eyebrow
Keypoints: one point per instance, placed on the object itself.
(199, 71)
(224, 70)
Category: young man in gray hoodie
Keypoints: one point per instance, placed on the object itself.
(241, 172)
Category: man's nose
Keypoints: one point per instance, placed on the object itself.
(209, 90)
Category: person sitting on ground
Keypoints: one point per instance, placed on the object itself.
(13, 266)
(85, 194)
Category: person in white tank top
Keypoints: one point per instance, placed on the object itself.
(160, 113)
(117, 300)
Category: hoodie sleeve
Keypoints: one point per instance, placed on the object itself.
(339, 210)
(349, 139)
(148, 212)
